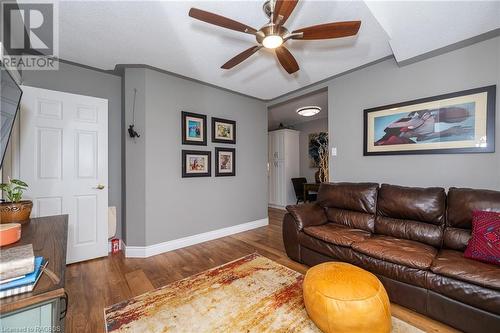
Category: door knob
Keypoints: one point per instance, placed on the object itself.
(100, 187)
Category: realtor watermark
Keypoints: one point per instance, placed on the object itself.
(30, 35)
(34, 329)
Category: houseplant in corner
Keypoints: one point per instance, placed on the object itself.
(14, 209)
(318, 152)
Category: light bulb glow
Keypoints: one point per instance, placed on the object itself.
(272, 41)
(308, 111)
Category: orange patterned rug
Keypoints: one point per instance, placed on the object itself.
(250, 294)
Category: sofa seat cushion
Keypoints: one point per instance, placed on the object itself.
(399, 251)
(333, 251)
(337, 234)
(477, 296)
(453, 264)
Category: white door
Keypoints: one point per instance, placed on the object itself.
(280, 169)
(64, 160)
(279, 145)
(270, 167)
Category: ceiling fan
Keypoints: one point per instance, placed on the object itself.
(273, 34)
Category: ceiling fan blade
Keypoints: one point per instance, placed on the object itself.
(287, 60)
(240, 57)
(221, 21)
(283, 8)
(328, 30)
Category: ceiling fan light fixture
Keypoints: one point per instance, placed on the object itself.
(272, 41)
(274, 34)
(308, 111)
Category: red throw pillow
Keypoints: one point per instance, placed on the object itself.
(485, 242)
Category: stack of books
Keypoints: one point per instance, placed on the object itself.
(19, 270)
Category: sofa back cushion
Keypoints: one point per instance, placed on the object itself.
(461, 203)
(411, 213)
(350, 204)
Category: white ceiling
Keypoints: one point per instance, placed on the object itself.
(286, 114)
(418, 27)
(103, 34)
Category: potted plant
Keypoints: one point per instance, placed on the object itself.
(14, 209)
(318, 151)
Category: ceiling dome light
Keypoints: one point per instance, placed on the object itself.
(308, 111)
(272, 41)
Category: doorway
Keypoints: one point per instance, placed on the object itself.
(298, 146)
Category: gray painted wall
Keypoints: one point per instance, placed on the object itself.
(175, 207)
(78, 80)
(386, 83)
(314, 126)
(135, 156)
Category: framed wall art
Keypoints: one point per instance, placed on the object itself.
(196, 163)
(225, 162)
(460, 122)
(194, 129)
(223, 130)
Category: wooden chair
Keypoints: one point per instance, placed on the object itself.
(298, 187)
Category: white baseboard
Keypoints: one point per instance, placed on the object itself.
(277, 206)
(148, 251)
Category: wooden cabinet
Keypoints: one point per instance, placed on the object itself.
(284, 164)
(43, 309)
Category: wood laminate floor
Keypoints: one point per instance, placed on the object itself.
(98, 283)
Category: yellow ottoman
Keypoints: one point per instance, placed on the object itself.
(342, 298)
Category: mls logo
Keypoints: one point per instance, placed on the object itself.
(28, 28)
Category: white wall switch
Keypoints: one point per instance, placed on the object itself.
(334, 151)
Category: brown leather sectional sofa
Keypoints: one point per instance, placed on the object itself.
(412, 238)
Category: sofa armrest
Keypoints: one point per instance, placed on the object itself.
(307, 215)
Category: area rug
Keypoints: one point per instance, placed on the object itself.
(250, 294)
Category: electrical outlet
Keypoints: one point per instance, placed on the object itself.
(334, 151)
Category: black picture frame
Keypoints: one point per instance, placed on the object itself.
(218, 150)
(490, 124)
(184, 120)
(185, 171)
(214, 130)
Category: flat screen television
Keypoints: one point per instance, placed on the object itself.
(10, 95)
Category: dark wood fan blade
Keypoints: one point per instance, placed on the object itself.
(240, 57)
(283, 8)
(287, 60)
(329, 30)
(221, 21)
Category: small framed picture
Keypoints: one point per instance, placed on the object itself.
(196, 163)
(225, 162)
(223, 130)
(194, 129)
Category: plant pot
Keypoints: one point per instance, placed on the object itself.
(15, 212)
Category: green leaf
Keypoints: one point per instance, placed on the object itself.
(4, 187)
(18, 182)
(19, 188)
(16, 196)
